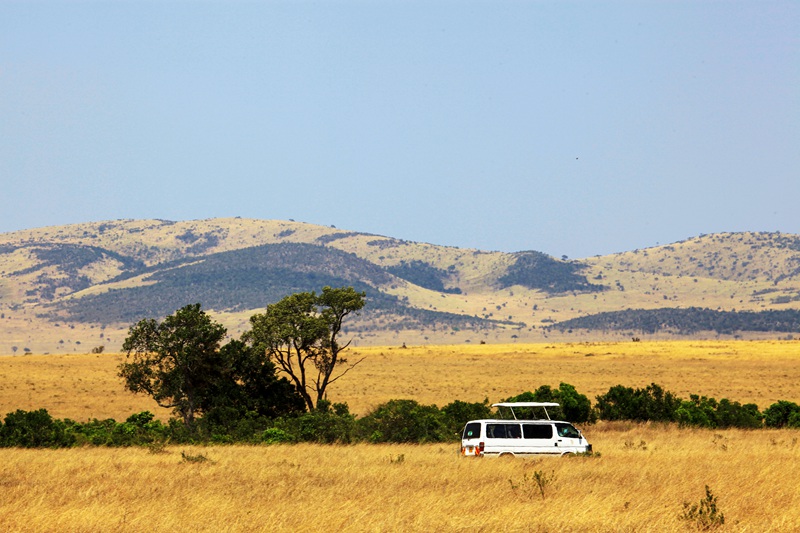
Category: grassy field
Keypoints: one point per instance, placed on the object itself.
(84, 386)
(639, 482)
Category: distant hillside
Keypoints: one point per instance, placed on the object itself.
(724, 256)
(687, 321)
(63, 288)
(227, 281)
(535, 270)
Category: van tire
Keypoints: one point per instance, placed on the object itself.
(507, 455)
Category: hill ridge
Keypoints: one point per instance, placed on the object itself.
(421, 292)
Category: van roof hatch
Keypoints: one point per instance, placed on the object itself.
(512, 405)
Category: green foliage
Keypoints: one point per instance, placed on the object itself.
(180, 363)
(177, 362)
(573, 406)
(300, 334)
(456, 414)
(249, 386)
(405, 421)
(34, 429)
(139, 429)
(276, 436)
(657, 405)
(782, 414)
(536, 270)
(649, 404)
(325, 425)
(707, 412)
(227, 425)
(703, 515)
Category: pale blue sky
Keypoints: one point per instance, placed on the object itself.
(572, 128)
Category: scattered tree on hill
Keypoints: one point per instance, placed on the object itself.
(300, 334)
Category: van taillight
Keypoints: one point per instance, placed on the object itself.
(480, 447)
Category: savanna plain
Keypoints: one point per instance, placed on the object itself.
(639, 480)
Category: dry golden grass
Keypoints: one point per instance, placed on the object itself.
(639, 483)
(79, 387)
(762, 372)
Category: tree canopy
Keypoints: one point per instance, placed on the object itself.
(183, 365)
(300, 333)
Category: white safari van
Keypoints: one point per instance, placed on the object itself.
(522, 437)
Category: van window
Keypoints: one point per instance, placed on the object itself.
(472, 431)
(537, 431)
(567, 430)
(503, 431)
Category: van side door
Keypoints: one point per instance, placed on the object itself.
(504, 437)
(540, 438)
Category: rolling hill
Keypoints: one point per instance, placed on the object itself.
(76, 287)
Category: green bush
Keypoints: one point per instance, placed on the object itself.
(458, 413)
(34, 429)
(782, 414)
(95, 432)
(699, 411)
(707, 412)
(649, 404)
(275, 436)
(573, 407)
(405, 421)
(327, 424)
(225, 425)
(734, 414)
(139, 429)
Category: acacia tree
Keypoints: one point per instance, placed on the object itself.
(180, 363)
(176, 361)
(300, 333)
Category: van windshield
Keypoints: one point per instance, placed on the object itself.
(568, 431)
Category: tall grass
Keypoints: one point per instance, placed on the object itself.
(754, 476)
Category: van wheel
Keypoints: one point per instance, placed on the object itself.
(507, 455)
(568, 454)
